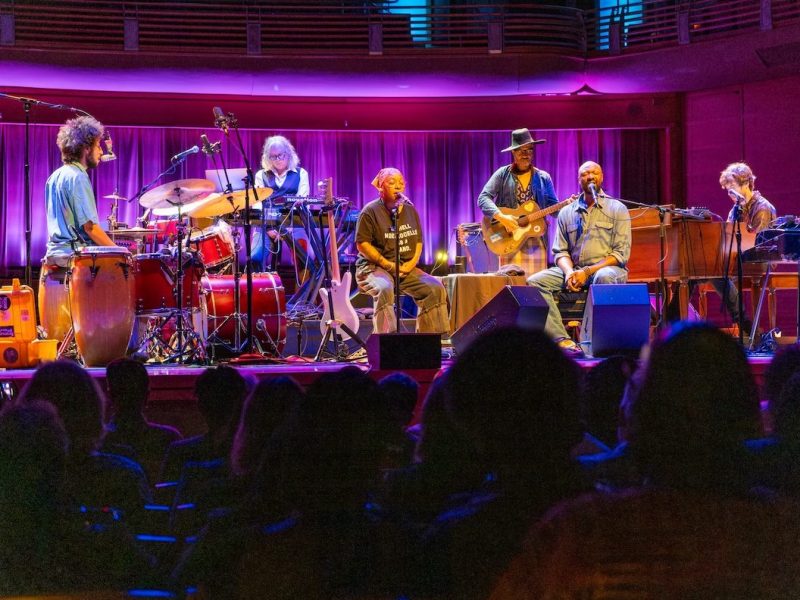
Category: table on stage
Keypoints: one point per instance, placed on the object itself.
(469, 292)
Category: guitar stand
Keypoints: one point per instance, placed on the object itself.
(332, 325)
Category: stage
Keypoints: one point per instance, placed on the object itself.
(171, 398)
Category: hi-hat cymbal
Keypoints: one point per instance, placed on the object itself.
(115, 196)
(216, 205)
(177, 192)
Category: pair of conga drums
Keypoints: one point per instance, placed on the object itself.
(96, 297)
(105, 288)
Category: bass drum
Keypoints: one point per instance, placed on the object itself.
(269, 309)
(101, 297)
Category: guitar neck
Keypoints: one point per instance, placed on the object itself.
(335, 273)
(549, 210)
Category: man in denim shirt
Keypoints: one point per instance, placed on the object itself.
(512, 186)
(592, 244)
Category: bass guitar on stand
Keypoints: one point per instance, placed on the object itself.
(339, 318)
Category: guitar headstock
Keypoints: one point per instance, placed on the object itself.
(325, 188)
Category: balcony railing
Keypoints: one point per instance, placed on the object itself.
(255, 27)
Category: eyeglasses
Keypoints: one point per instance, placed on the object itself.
(281, 156)
(524, 151)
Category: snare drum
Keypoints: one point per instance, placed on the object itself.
(156, 281)
(269, 306)
(101, 298)
(213, 246)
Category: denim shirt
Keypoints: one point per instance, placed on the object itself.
(501, 190)
(590, 234)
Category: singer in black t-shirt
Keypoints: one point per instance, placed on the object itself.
(375, 267)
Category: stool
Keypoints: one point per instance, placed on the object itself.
(571, 306)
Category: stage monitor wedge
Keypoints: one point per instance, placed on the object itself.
(514, 305)
(616, 319)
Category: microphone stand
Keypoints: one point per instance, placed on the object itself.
(662, 291)
(26, 107)
(737, 230)
(230, 122)
(395, 212)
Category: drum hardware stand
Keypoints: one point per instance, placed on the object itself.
(225, 122)
(332, 326)
(184, 343)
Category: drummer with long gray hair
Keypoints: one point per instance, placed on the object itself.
(282, 173)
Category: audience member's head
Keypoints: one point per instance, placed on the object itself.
(442, 446)
(696, 406)
(339, 438)
(265, 411)
(76, 396)
(785, 363)
(515, 394)
(400, 391)
(128, 384)
(33, 449)
(786, 410)
(220, 395)
(604, 386)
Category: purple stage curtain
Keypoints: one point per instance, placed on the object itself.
(445, 170)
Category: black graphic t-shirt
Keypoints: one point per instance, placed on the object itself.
(375, 227)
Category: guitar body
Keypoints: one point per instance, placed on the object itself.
(531, 225)
(339, 297)
(503, 243)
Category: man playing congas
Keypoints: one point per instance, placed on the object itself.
(72, 220)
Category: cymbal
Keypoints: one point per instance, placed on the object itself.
(215, 205)
(133, 232)
(172, 211)
(115, 196)
(182, 192)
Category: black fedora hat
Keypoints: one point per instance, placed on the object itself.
(520, 138)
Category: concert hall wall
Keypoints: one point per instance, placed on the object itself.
(445, 169)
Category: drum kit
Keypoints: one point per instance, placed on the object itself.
(167, 292)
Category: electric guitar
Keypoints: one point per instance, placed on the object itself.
(531, 225)
(337, 298)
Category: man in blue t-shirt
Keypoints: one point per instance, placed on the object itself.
(72, 219)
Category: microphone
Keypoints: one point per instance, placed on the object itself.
(208, 147)
(185, 153)
(220, 120)
(736, 196)
(109, 155)
(402, 198)
(593, 190)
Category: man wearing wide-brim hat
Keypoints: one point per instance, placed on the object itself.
(513, 185)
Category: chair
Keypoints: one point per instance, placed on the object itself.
(571, 306)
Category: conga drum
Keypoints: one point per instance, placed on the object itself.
(101, 297)
(54, 302)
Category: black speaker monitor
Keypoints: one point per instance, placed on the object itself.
(514, 305)
(616, 319)
(387, 351)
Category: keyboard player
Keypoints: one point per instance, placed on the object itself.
(756, 213)
(281, 171)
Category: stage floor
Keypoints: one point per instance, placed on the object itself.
(172, 386)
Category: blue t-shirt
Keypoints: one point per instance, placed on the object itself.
(69, 202)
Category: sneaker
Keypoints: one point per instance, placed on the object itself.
(358, 355)
(570, 348)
